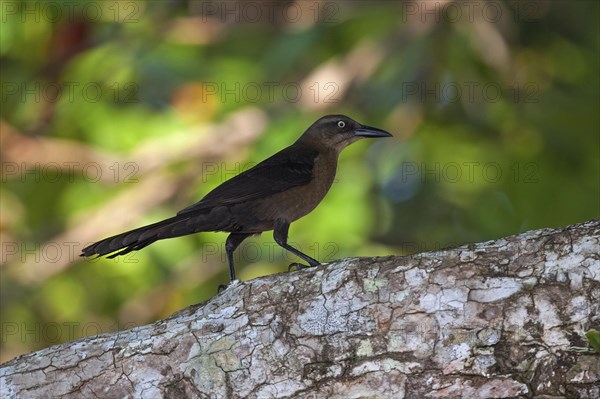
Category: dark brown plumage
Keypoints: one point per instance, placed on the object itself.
(269, 196)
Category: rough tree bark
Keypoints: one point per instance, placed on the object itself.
(499, 319)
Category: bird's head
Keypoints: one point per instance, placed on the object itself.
(338, 131)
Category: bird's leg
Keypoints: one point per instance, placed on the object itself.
(233, 241)
(280, 233)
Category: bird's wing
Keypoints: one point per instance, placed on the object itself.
(288, 168)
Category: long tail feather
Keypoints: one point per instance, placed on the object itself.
(141, 237)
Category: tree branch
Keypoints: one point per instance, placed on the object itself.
(499, 319)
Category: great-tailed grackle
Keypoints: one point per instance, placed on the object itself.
(269, 196)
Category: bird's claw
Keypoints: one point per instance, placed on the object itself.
(299, 266)
(223, 287)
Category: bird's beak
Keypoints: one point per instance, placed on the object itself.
(367, 131)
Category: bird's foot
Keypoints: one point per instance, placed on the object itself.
(300, 266)
(223, 287)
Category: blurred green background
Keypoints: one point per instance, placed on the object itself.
(118, 114)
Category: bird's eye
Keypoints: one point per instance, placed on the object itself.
(341, 124)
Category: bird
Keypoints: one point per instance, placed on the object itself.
(269, 196)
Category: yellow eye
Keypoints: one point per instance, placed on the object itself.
(341, 124)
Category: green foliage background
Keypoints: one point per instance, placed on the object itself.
(117, 114)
